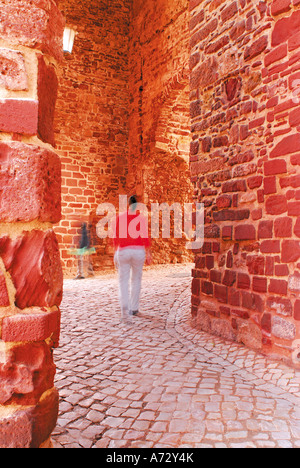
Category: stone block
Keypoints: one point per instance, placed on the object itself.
(293, 208)
(278, 287)
(30, 183)
(252, 301)
(229, 278)
(33, 262)
(31, 325)
(229, 12)
(275, 55)
(222, 328)
(256, 48)
(259, 284)
(294, 283)
(280, 6)
(30, 427)
(278, 166)
(282, 270)
(196, 286)
(44, 417)
(290, 251)
(265, 229)
(224, 201)
(283, 227)
(266, 323)
(243, 281)
(280, 305)
(291, 181)
(16, 429)
(283, 329)
(285, 28)
(207, 288)
(276, 204)
(245, 232)
(294, 117)
(19, 116)
(33, 23)
(289, 144)
(13, 75)
(270, 185)
(205, 74)
(27, 371)
(221, 293)
(234, 186)
(249, 334)
(270, 246)
(256, 264)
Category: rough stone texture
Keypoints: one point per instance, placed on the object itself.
(31, 325)
(19, 116)
(26, 372)
(245, 141)
(30, 427)
(41, 29)
(13, 75)
(15, 429)
(38, 171)
(33, 262)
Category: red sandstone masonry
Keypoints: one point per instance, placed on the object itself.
(36, 169)
(249, 112)
(19, 116)
(31, 325)
(30, 189)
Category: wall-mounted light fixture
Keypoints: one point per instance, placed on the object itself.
(69, 37)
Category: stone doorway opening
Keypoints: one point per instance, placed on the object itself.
(122, 123)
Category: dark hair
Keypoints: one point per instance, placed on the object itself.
(132, 200)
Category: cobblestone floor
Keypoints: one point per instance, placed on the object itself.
(160, 382)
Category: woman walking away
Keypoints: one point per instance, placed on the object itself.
(132, 248)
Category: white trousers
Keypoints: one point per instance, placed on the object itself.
(130, 261)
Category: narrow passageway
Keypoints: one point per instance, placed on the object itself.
(160, 382)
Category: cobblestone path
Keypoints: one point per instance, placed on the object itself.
(160, 382)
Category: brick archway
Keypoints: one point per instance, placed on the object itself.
(165, 172)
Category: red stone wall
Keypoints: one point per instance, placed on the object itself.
(159, 120)
(91, 120)
(245, 148)
(30, 185)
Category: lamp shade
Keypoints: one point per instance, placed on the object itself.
(69, 37)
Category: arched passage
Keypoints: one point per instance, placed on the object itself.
(248, 135)
(166, 174)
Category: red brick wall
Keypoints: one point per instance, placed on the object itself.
(245, 167)
(91, 124)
